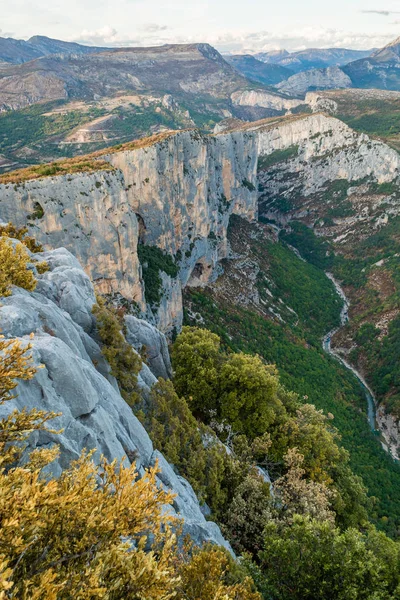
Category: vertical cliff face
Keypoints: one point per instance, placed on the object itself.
(176, 194)
(87, 213)
(327, 149)
(184, 189)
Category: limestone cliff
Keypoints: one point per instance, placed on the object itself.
(75, 381)
(176, 193)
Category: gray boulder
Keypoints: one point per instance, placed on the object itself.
(143, 336)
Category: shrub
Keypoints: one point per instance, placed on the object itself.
(154, 260)
(125, 363)
(238, 391)
(20, 233)
(96, 532)
(14, 267)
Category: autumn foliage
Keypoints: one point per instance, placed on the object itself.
(97, 532)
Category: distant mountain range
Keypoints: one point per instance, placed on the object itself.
(256, 70)
(312, 58)
(87, 74)
(380, 70)
(20, 51)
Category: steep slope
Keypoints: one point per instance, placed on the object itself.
(175, 191)
(183, 69)
(93, 413)
(380, 70)
(318, 79)
(374, 112)
(343, 186)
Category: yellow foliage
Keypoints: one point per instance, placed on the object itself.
(21, 234)
(14, 261)
(206, 577)
(94, 533)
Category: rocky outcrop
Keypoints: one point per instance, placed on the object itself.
(75, 381)
(264, 99)
(315, 79)
(324, 149)
(390, 430)
(145, 338)
(177, 194)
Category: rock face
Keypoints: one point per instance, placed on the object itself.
(176, 194)
(264, 99)
(323, 149)
(145, 337)
(93, 413)
(317, 79)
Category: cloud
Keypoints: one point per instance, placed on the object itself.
(299, 39)
(154, 34)
(154, 27)
(6, 34)
(385, 13)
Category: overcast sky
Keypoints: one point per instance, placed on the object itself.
(230, 25)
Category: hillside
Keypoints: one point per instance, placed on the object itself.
(19, 51)
(380, 70)
(312, 58)
(256, 70)
(64, 105)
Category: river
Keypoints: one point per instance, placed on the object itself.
(326, 344)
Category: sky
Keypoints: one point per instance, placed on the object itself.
(229, 25)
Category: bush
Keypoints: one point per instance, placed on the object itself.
(21, 234)
(153, 260)
(310, 559)
(96, 532)
(14, 267)
(125, 363)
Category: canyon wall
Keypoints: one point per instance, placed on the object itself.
(176, 194)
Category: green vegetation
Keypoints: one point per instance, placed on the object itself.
(309, 559)
(97, 531)
(278, 156)
(154, 260)
(124, 362)
(383, 356)
(313, 249)
(310, 539)
(34, 124)
(295, 348)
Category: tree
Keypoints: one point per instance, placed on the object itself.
(311, 559)
(196, 360)
(236, 391)
(97, 532)
(296, 495)
(248, 514)
(248, 394)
